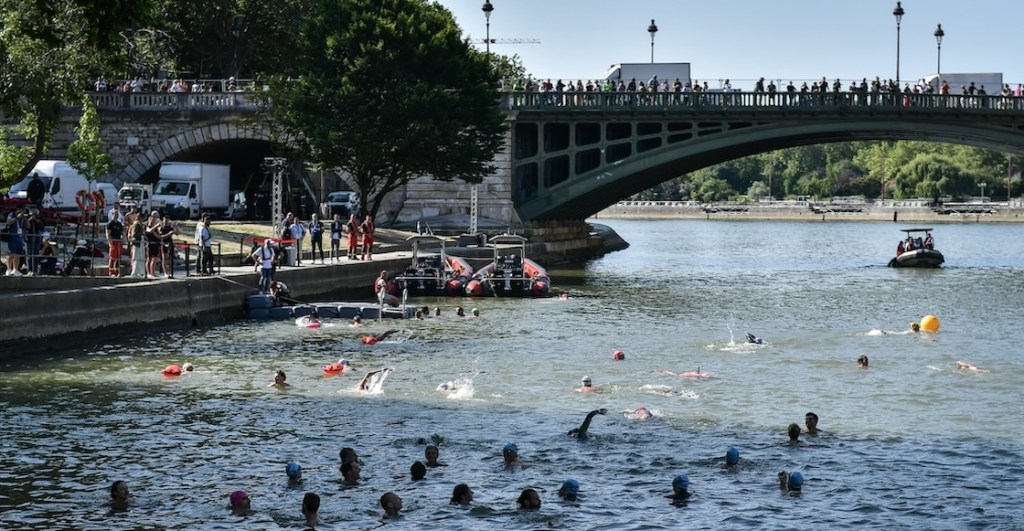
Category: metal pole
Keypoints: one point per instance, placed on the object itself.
(652, 29)
(898, 13)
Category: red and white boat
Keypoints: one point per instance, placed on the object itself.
(511, 274)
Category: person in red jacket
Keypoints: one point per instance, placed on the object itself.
(367, 228)
(353, 236)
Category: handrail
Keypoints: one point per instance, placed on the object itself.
(161, 101)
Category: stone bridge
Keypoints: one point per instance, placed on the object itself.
(567, 155)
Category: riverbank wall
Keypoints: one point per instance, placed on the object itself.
(47, 313)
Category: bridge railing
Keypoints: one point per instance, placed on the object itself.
(158, 101)
(758, 100)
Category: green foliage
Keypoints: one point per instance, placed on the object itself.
(86, 153)
(387, 91)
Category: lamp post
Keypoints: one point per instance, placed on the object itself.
(939, 34)
(898, 13)
(1009, 179)
(652, 29)
(982, 186)
(236, 31)
(487, 8)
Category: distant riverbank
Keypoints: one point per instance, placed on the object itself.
(891, 211)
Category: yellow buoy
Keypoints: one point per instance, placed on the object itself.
(930, 323)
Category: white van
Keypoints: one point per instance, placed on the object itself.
(62, 185)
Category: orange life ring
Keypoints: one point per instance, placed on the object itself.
(99, 200)
(86, 201)
(172, 370)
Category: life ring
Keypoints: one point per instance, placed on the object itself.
(99, 200)
(172, 370)
(86, 201)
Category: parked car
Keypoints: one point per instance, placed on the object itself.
(342, 203)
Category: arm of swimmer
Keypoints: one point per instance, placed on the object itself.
(581, 432)
(384, 335)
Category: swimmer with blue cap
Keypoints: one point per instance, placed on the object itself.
(791, 481)
(569, 490)
(732, 457)
(294, 472)
(511, 454)
(679, 485)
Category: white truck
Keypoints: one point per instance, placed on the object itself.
(140, 196)
(644, 71)
(993, 82)
(188, 189)
(63, 184)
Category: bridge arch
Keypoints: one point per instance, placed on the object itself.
(198, 137)
(572, 164)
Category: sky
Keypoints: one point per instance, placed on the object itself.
(746, 39)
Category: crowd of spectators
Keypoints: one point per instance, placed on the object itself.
(172, 86)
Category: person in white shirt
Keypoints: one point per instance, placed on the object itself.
(298, 233)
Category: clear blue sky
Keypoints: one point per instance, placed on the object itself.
(747, 39)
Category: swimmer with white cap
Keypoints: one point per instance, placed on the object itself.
(587, 386)
(642, 413)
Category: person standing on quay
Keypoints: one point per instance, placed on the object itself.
(367, 229)
(336, 229)
(353, 236)
(316, 238)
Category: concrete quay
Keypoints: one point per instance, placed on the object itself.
(46, 313)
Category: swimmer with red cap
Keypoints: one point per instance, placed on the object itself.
(374, 339)
(240, 503)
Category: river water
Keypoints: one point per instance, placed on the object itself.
(909, 443)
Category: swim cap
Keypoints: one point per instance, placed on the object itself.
(187, 367)
(732, 456)
(343, 361)
(618, 355)
(293, 470)
(586, 380)
(571, 487)
(476, 311)
(796, 480)
(511, 447)
(682, 481)
(237, 497)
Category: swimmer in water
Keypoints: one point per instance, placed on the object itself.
(968, 366)
(418, 471)
(529, 500)
(791, 481)
(119, 495)
(862, 361)
(461, 495)
(587, 386)
(510, 453)
(581, 432)
(437, 311)
(914, 327)
(240, 503)
(732, 459)
(460, 311)
(279, 380)
(357, 321)
(294, 473)
(642, 413)
(391, 504)
(680, 484)
(475, 312)
(751, 338)
(811, 421)
(569, 490)
(364, 384)
(431, 453)
(374, 339)
(794, 433)
(350, 472)
(311, 509)
(347, 454)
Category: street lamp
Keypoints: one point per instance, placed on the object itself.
(982, 186)
(236, 31)
(652, 29)
(898, 13)
(487, 8)
(939, 34)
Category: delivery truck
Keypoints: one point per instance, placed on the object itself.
(188, 189)
(62, 183)
(139, 196)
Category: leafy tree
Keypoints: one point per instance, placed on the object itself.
(388, 90)
(47, 50)
(757, 191)
(86, 153)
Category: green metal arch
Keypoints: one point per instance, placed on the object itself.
(582, 196)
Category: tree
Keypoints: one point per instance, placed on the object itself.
(86, 154)
(388, 90)
(47, 51)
